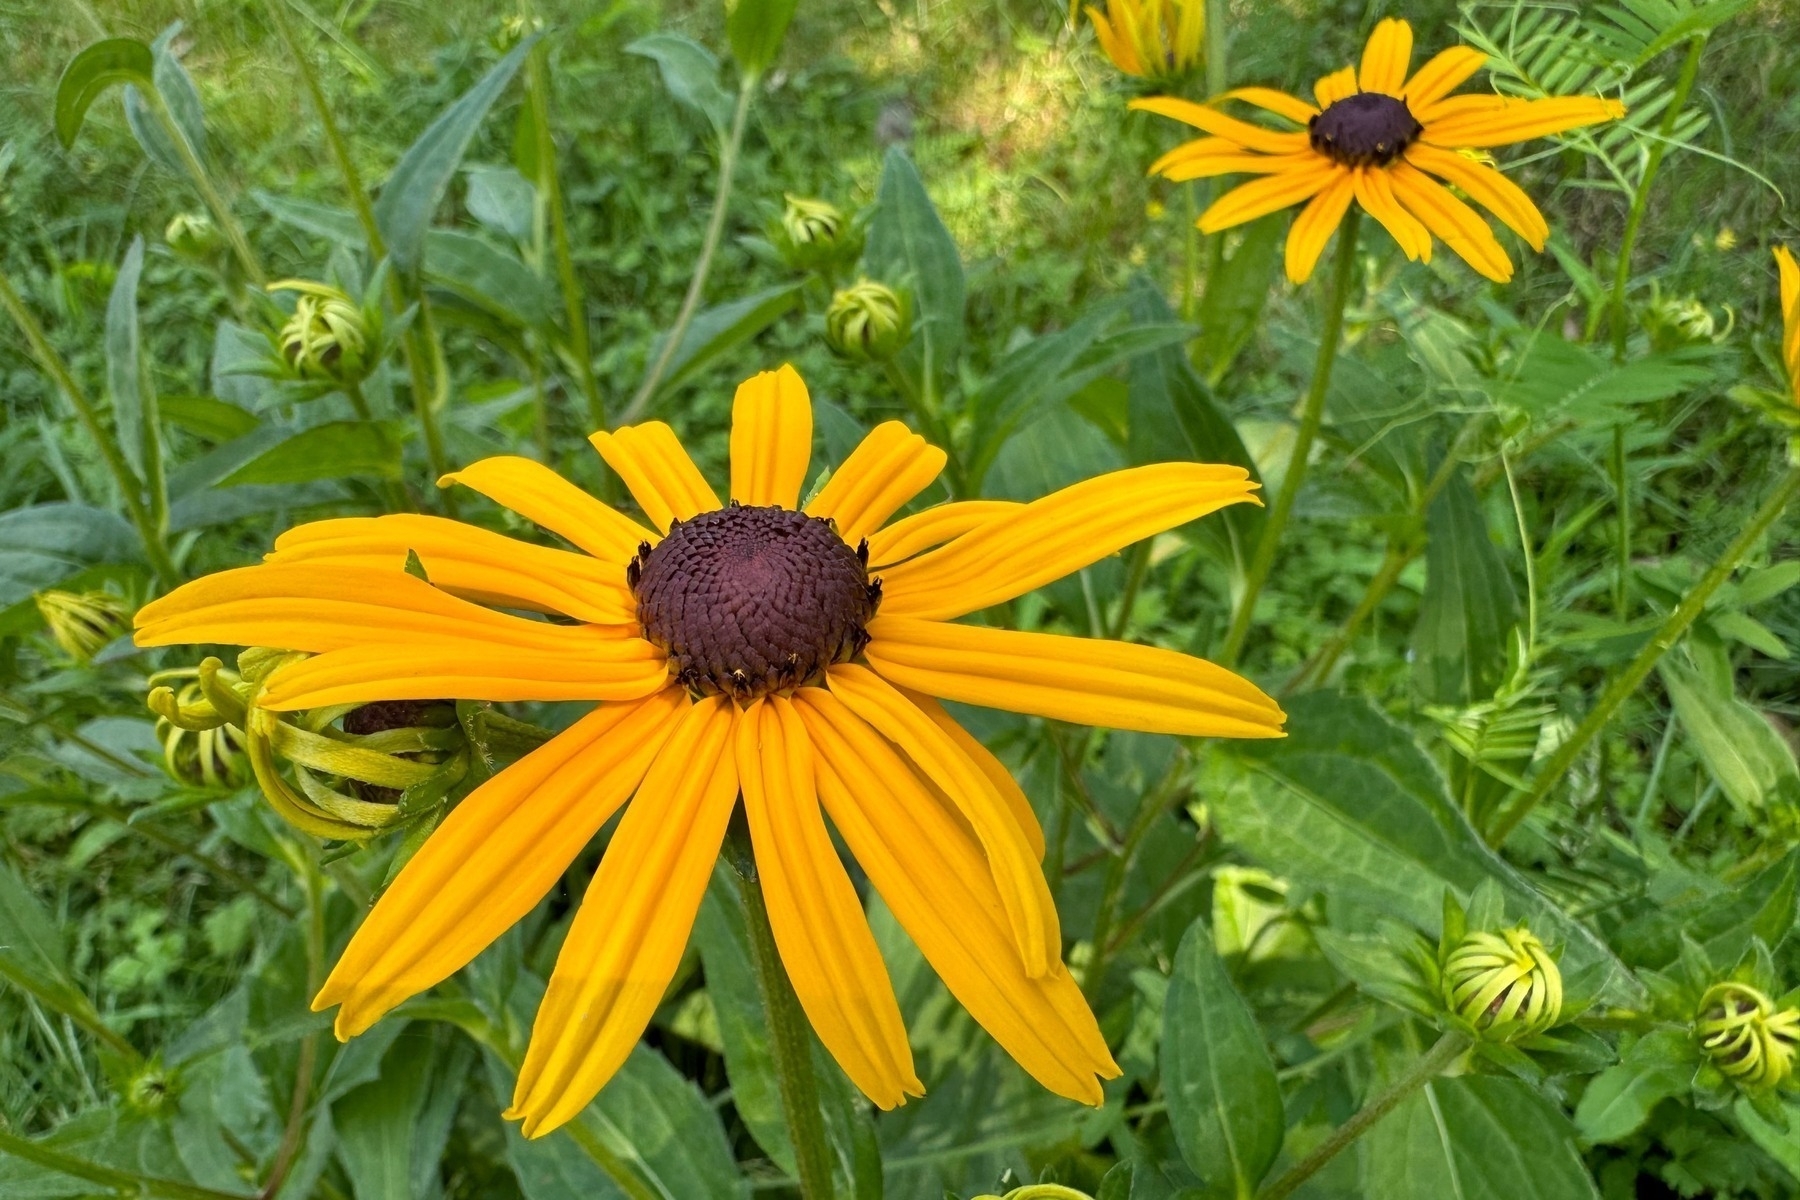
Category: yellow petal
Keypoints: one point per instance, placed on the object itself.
(1386, 57)
(588, 668)
(476, 564)
(890, 466)
(1058, 535)
(1279, 103)
(771, 438)
(1123, 54)
(1519, 121)
(1487, 187)
(660, 475)
(1375, 192)
(1272, 193)
(932, 527)
(1029, 906)
(1461, 106)
(494, 857)
(1083, 680)
(627, 938)
(933, 875)
(824, 939)
(1790, 315)
(1313, 228)
(1335, 86)
(545, 498)
(1201, 116)
(1179, 167)
(1016, 801)
(1460, 226)
(1444, 73)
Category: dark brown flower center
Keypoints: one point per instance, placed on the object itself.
(749, 600)
(1367, 129)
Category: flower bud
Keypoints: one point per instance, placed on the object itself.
(192, 236)
(1039, 1191)
(151, 1091)
(813, 233)
(867, 320)
(84, 623)
(1154, 40)
(514, 30)
(1746, 1037)
(327, 338)
(1504, 986)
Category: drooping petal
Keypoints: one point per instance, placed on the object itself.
(771, 438)
(890, 466)
(494, 857)
(1446, 71)
(1335, 86)
(1272, 193)
(476, 564)
(1313, 228)
(660, 475)
(1058, 535)
(1487, 187)
(932, 527)
(1375, 192)
(1087, 681)
(1519, 121)
(1386, 57)
(1016, 801)
(1211, 120)
(933, 875)
(1270, 100)
(627, 939)
(1789, 271)
(545, 498)
(1029, 907)
(1460, 226)
(588, 668)
(825, 943)
(1121, 50)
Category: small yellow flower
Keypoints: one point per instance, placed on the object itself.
(1376, 137)
(1726, 239)
(83, 623)
(1156, 40)
(1505, 986)
(1745, 1037)
(1790, 317)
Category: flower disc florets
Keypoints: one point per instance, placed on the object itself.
(1746, 1037)
(748, 600)
(1366, 129)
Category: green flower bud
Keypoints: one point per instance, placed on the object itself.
(1039, 1191)
(1504, 986)
(1747, 1039)
(815, 232)
(151, 1091)
(327, 338)
(84, 623)
(514, 30)
(192, 236)
(867, 320)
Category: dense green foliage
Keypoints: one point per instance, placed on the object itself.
(1506, 504)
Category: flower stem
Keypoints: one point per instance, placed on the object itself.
(221, 211)
(123, 1183)
(1312, 415)
(790, 1039)
(715, 229)
(293, 1134)
(1661, 642)
(1421, 1073)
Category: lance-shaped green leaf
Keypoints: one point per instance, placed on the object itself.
(755, 29)
(1234, 299)
(31, 952)
(91, 72)
(1475, 1137)
(1618, 1101)
(334, 450)
(43, 544)
(133, 398)
(909, 248)
(176, 88)
(716, 332)
(1750, 761)
(1470, 606)
(690, 72)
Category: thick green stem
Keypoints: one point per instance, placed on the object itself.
(123, 1183)
(1661, 642)
(715, 229)
(1421, 1073)
(790, 1039)
(221, 211)
(1312, 415)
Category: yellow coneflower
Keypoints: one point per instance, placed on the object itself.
(1377, 137)
(1790, 316)
(795, 655)
(1151, 39)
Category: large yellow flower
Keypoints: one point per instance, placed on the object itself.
(790, 654)
(1151, 39)
(1790, 316)
(1377, 137)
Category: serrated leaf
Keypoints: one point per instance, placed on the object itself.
(90, 73)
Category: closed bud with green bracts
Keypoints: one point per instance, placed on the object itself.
(514, 30)
(328, 337)
(193, 236)
(868, 321)
(815, 233)
(151, 1091)
(1502, 986)
(84, 623)
(1039, 1191)
(1746, 1037)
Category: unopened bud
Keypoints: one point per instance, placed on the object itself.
(327, 338)
(192, 236)
(813, 233)
(83, 623)
(867, 320)
(1504, 986)
(1039, 1191)
(1746, 1037)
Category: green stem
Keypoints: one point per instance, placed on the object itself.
(790, 1039)
(430, 395)
(1312, 415)
(124, 1183)
(150, 533)
(221, 211)
(293, 1135)
(1428, 1068)
(1622, 545)
(1625, 684)
(1640, 199)
(715, 229)
(1119, 868)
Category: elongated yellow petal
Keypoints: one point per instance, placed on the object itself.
(1446, 71)
(1375, 192)
(1335, 86)
(1016, 801)
(1180, 168)
(1487, 187)
(890, 466)
(1058, 535)
(1272, 193)
(1120, 49)
(1313, 228)
(826, 947)
(494, 857)
(660, 475)
(545, 498)
(1460, 226)
(1029, 906)
(1461, 106)
(588, 668)
(1205, 117)
(1280, 103)
(932, 527)
(1084, 680)
(1519, 121)
(1386, 57)
(1790, 315)
(935, 878)
(473, 563)
(628, 936)
(771, 438)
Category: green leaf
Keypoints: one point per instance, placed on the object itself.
(176, 87)
(110, 1140)
(755, 29)
(412, 193)
(1782, 1145)
(1618, 1101)
(909, 248)
(1224, 1100)
(391, 1132)
(502, 199)
(1742, 752)
(334, 450)
(690, 72)
(1469, 609)
(716, 332)
(31, 952)
(1723, 920)
(1768, 583)
(90, 73)
(1475, 1137)
(210, 418)
(1232, 306)
(1559, 379)
(133, 399)
(43, 544)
